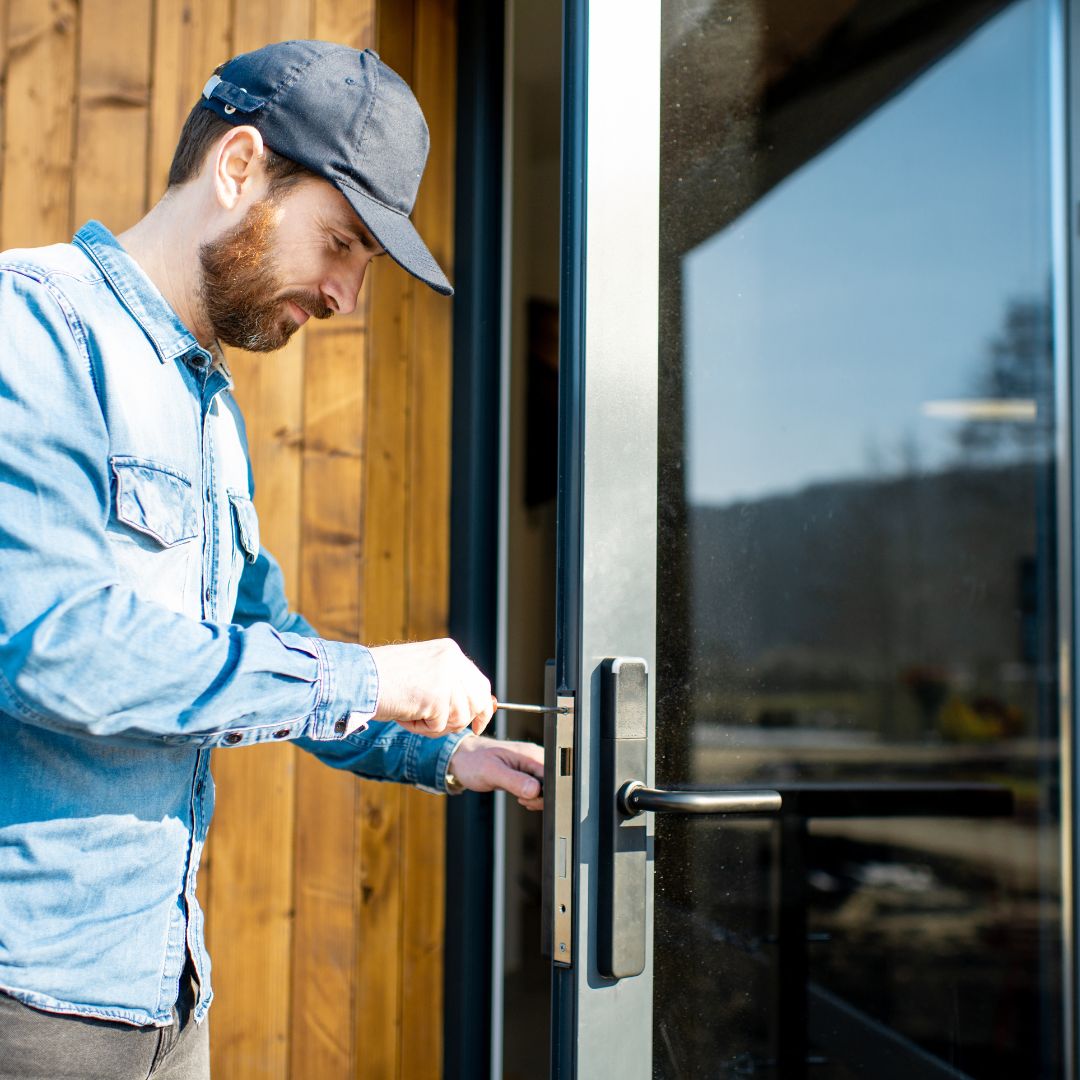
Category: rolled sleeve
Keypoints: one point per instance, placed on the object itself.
(350, 689)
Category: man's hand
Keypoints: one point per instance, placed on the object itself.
(490, 765)
(431, 687)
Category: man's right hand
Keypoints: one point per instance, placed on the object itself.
(431, 688)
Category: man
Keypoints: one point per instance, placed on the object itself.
(141, 623)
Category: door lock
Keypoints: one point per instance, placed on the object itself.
(557, 891)
(625, 845)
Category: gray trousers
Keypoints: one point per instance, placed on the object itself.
(36, 1045)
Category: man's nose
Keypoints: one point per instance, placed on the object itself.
(342, 288)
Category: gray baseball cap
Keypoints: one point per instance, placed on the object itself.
(348, 118)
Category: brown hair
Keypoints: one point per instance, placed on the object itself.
(201, 130)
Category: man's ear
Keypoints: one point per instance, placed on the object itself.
(236, 165)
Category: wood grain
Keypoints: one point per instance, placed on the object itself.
(3, 94)
(427, 572)
(112, 132)
(260, 22)
(324, 1032)
(39, 122)
(191, 37)
(249, 915)
(382, 841)
(378, 1016)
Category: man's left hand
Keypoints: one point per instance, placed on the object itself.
(493, 765)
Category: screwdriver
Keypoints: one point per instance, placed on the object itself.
(514, 707)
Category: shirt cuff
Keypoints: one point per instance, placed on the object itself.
(350, 689)
(427, 759)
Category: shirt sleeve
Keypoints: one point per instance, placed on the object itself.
(385, 751)
(376, 751)
(80, 652)
(261, 598)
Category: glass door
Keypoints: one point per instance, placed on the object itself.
(814, 504)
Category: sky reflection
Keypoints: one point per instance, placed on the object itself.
(871, 281)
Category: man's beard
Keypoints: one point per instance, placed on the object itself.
(241, 290)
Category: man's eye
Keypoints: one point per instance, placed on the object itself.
(341, 245)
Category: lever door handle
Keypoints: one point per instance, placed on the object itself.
(635, 798)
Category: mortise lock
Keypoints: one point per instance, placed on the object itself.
(558, 853)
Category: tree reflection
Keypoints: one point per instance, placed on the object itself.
(1016, 371)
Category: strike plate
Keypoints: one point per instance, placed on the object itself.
(557, 915)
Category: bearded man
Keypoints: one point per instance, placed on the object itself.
(141, 622)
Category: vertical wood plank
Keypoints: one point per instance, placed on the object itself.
(39, 123)
(379, 974)
(430, 390)
(348, 22)
(249, 914)
(378, 968)
(3, 94)
(113, 112)
(260, 22)
(423, 864)
(253, 977)
(191, 37)
(323, 1029)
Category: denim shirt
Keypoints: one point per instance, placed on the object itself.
(141, 625)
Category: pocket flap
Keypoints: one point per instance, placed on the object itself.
(247, 525)
(155, 499)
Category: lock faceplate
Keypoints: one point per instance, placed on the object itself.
(558, 884)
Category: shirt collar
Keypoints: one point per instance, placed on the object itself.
(137, 293)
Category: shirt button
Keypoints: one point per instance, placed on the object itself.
(207, 594)
(233, 738)
(341, 725)
(281, 734)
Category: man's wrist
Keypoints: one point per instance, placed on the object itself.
(453, 785)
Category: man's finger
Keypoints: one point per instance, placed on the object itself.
(461, 714)
(528, 787)
(514, 782)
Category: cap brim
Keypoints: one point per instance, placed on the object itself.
(396, 234)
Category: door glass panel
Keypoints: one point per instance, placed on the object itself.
(857, 557)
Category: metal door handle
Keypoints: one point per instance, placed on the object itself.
(635, 798)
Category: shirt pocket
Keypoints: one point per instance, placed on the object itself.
(155, 500)
(246, 524)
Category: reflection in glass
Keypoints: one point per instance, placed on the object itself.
(857, 561)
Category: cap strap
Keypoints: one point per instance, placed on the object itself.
(236, 98)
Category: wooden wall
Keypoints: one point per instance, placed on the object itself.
(324, 894)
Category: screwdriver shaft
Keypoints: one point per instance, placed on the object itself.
(514, 707)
